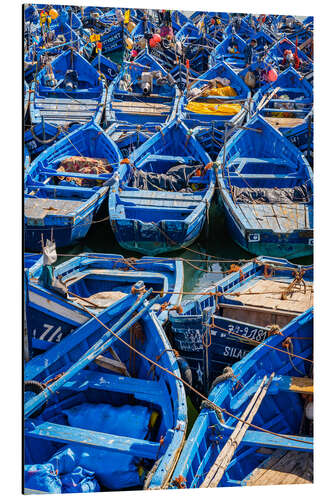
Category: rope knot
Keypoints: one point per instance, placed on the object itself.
(273, 330)
(179, 482)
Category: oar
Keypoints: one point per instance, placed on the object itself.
(98, 348)
(265, 100)
(220, 465)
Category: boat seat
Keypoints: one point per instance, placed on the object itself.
(145, 390)
(280, 383)
(74, 435)
(258, 439)
(139, 195)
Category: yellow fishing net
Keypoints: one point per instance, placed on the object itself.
(221, 91)
(213, 109)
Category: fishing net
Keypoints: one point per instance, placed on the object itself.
(214, 109)
(221, 91)
(177, 178)
(84, 165)
(298, 194)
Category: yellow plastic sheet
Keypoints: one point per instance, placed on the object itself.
(213, 109)
(221, 91)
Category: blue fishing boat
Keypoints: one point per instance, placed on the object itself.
(256, 75)
(64, 186)
(164, 200)
(211, 138)
(266, 189)
(178, 19)
(287, 104)
(39, 137)
(68, 90)
(144, 92)
(113, 421)
(241, 28)
(92, 282)
(129, 137)
(221, 324)
(231, 51)
(26, 98)
(272, 387)
(218, 95)
(105, 66)
(284, 53)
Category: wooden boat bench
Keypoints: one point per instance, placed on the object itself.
(73, 435)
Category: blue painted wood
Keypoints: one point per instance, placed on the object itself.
(77, 206)
(221, 53)
(98, 440)
(188, 327)
(102, 344)
(276, 55)
(266, 228)
(156, 389)
(51, 317)
(61, 105)
(280, 411)
(165, 93)
(221, 70)
(299, 105)
(152, 221)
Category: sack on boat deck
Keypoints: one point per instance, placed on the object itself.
(113, 470)
(175, 179)
(214, 109)
(298, 194)
(60, 475)
(42, 477)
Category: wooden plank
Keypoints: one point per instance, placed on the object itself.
(111, 364)
(284, 122)
(302, 385)
(66, 434)
(283, 467)
(41, 207)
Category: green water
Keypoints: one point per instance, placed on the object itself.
(218, 246)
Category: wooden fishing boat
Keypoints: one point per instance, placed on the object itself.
(259, 73)
(105, 66)
(142, 93)
(69, 90)
(266, 189)
(211, 138)
(272, 387)
(242, 29)
(60, 196)
(39, 137)
(287, 104)
(164, 200)
(218, 95)
(242, 310)
(278, 56)
(178, 19)
(92, 282)
(26, 98)
(111, 413)
(230, 51)
(129, 136)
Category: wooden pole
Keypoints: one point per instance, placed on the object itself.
(265, 100)
(98, 348)
(216, 472)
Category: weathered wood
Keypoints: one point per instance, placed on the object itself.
(284, 122)
(220, 465)
(302, 385)
(266, 99)
(112, 365)
(283, 467)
